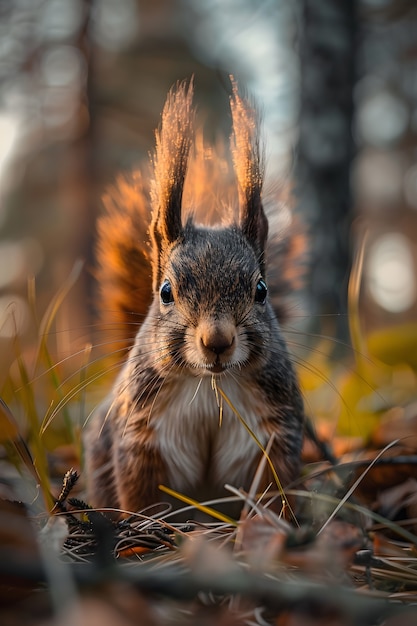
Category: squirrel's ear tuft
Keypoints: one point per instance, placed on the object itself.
(248, 161)
(173, 142)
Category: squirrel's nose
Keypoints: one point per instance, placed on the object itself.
(217, 338)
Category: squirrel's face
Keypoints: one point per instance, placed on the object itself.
(214, 314)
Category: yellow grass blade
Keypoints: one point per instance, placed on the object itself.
(200, 507)
(260, 446)
(354, 287)
(10, 433)
(57, 300)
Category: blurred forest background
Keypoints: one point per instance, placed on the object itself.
(82, 84)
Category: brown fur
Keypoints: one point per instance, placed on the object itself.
(123, 259)
(160, 423)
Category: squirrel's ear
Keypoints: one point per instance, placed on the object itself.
(248, 163)
(173, 142)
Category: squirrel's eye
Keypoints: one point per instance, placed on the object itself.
(166, 292)
(261, 291)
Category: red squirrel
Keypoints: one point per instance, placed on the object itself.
(206, 328)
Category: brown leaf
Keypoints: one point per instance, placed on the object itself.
(262, 542)
(331, 553)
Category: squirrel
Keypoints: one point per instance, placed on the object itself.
(209, 345)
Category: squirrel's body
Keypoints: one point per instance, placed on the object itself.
(210, 351)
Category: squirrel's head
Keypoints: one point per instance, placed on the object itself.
(212, 299)
(209, 282)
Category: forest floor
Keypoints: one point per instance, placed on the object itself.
(344, 553)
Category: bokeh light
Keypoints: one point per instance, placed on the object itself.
(9, 128)
(391, 273)
(115, 24)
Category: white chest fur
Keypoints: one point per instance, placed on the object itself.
(202, 444)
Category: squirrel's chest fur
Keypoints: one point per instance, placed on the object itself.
(201, 439)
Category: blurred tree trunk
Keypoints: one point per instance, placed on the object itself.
(327, 54)
(78, 185)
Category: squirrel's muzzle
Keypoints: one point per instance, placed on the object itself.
(217, 341)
